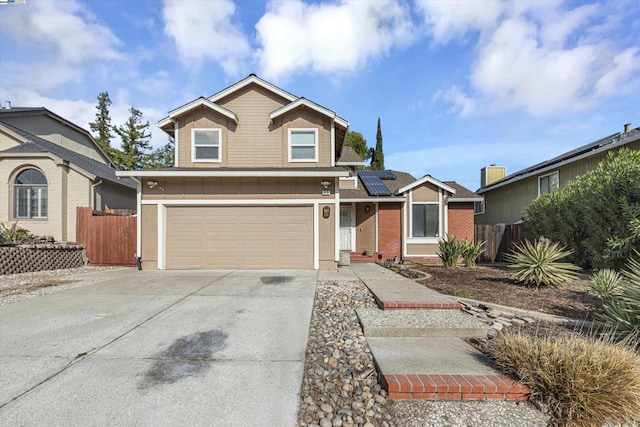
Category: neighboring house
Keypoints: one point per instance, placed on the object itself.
(263, 180)
(48, 167)
(505, 198)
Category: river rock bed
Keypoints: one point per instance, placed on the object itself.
(340, 385)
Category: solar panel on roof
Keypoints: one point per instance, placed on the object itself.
(382, 174)
(373, 184)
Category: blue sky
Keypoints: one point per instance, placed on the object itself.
(458, 85)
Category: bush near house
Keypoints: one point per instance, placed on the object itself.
(596, 216)
(12, 234)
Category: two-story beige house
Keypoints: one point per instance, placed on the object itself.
(49, 166)
(258, 183)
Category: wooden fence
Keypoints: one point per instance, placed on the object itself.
(110, 238)
(499, 239)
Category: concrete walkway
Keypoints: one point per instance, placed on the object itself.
(423, 356)
(154, 348)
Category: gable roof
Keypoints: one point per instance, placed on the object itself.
(349, 157)
(194, 104)
(95, 169)
(294, 102)
(601, 145)
(360, 193)
(36, 111)
(424, 179)
(463, 194)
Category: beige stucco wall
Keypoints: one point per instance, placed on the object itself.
(347, 184)
(425, 193)
(6, 141)
(78, 194)
(254, 141)
(47, 128)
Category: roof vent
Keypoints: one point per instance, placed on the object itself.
(627, 127)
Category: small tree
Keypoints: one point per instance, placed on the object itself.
(102, 126)
(135, 135)
(377, 158)
(356, 141)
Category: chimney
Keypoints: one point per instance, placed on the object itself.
(627, 127)
(7, 105)
(491, 174)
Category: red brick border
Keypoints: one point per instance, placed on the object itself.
(454, 387)
(405, 305)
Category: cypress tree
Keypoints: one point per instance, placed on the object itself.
(377, 160)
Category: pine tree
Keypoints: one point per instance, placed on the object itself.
(377, 159)
(102, 127)
(135, 147)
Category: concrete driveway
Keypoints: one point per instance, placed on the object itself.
(214, 348)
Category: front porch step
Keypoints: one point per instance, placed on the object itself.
(439, 368)
(408, 295)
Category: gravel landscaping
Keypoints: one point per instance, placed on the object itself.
(341, 385)
(18, 287)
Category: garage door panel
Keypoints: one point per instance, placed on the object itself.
(239, 237)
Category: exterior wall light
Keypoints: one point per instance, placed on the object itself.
(367, 208)
(326, 212)
(152, 184)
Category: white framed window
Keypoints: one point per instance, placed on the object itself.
(303, 145)
(206, 145)
(30, 195)
(548, 183)
(425, 220)
(478, 208)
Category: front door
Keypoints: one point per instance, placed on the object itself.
(345, 228)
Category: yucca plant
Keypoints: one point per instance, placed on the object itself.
(622, 311)
(449, 251)
(470, 252)
(605, 283)
(538, 264)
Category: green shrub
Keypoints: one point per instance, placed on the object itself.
(605, 283)
(470, 251)
(583, 381)
(537, 264)
(596, 215)
(14, 234)
(449, 251)
(622, 311)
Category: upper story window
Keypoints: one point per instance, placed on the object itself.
(548, 183)
(206, 145)
(30, 194)
(425, 220)
(303, 145)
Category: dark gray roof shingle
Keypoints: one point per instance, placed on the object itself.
(94, 167)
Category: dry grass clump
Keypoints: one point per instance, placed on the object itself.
(583, 381)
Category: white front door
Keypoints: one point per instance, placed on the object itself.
(345, 228)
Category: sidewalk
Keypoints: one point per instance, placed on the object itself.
(418, 347)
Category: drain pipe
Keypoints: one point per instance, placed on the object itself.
(93, 194)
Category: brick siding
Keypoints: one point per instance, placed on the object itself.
(390, 229)
(461, 221)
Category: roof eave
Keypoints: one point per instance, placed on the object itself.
(238, 173)
(247, 81)
(424, 179)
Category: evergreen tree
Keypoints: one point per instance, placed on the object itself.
(135, 147)
(377, 159)
(162, 157)
(356, 141)
(102, 127)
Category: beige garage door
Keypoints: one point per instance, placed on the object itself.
(239, 237)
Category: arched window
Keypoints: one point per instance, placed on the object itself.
(30, 194)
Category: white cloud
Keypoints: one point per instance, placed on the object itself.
(450, 19)
(538, 57)
(328, 38)
(205, 29)
(63, 29)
